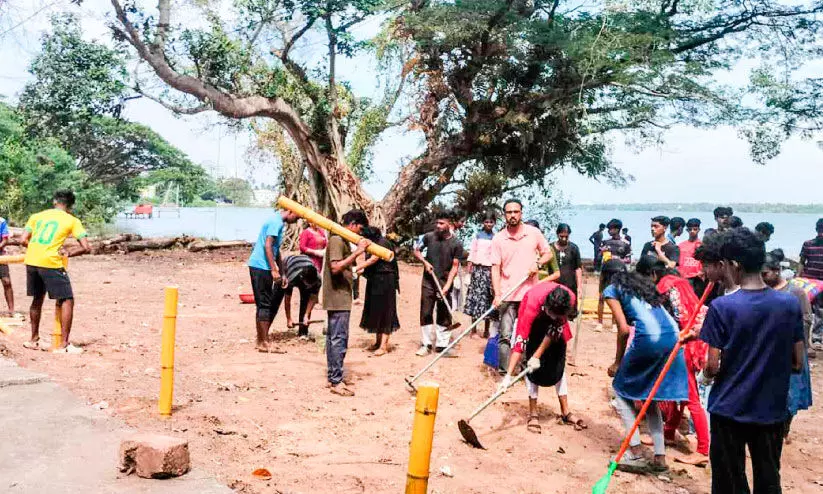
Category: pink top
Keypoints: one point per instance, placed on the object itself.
(516, 254)
(480, 252)
(531, 307)
(316, 240)
(689, 267)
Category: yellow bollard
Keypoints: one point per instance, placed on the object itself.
(167, 352)
(425, 409)
(57, 332)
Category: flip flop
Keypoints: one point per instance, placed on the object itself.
(533, 425)
(578, 424)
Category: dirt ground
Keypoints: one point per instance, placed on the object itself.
(243, 410)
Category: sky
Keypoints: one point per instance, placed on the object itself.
(691, 165)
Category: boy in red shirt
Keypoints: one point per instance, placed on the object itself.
(689, 266)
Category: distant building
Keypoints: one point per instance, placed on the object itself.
(263, 197)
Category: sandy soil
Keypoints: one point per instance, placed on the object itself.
(243, 410)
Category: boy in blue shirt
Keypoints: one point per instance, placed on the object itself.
(755, 338)
(264, 269)
(5, 277)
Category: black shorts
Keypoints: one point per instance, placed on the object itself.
(54, 281)
(4, 271)
(262, 284)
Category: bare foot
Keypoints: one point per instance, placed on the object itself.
(380, 352)
(263, 346)
(341, 390)
(696, 459)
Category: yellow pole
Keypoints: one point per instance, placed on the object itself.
(167, 352)
(57, 332)
(336, 228)
(425, 409)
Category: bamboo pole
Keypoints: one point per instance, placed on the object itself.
(57, 332)
(167, 352)
(15, 259)
(425, 410)
(336, 228)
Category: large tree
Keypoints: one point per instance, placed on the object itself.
(505, 91)
(76, 97)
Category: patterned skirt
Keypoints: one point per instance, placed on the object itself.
(480, 296)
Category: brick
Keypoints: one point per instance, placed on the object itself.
(154, 456)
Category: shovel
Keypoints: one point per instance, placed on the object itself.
(466, 430)
(410, 380)
(454, 324)
(573, 363)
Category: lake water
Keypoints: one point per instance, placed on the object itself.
(229, 223)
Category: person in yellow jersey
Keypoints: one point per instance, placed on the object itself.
(44, 235)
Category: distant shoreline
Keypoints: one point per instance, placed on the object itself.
(706, 207)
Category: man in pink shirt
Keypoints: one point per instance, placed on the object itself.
(518, 251)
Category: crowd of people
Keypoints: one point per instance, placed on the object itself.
(749, 325)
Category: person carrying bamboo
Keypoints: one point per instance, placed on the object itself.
(542, 334)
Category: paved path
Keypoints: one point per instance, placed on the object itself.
(50, 442)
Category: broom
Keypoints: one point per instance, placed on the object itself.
(603, 484)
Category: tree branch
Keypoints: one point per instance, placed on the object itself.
(292, 66)
(163, 21)
(182, 110)
(227, 104)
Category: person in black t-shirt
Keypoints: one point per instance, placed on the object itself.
(443, 254)
(661, 247)
(596, 239)
(614, 245)
(568, 257)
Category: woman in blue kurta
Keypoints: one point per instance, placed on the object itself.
(634, 301)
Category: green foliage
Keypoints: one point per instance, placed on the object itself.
(527, 87)
(67, 133)
(75, 81)
(216, 58)
(32, 169)
(234, 190)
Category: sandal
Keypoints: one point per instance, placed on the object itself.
(32, 345)
(533, 425)
(568, 419)
(341, 390)
(379, 352)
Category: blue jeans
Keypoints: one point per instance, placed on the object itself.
(337, 341)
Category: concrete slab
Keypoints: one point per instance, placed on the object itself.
(56, 444)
